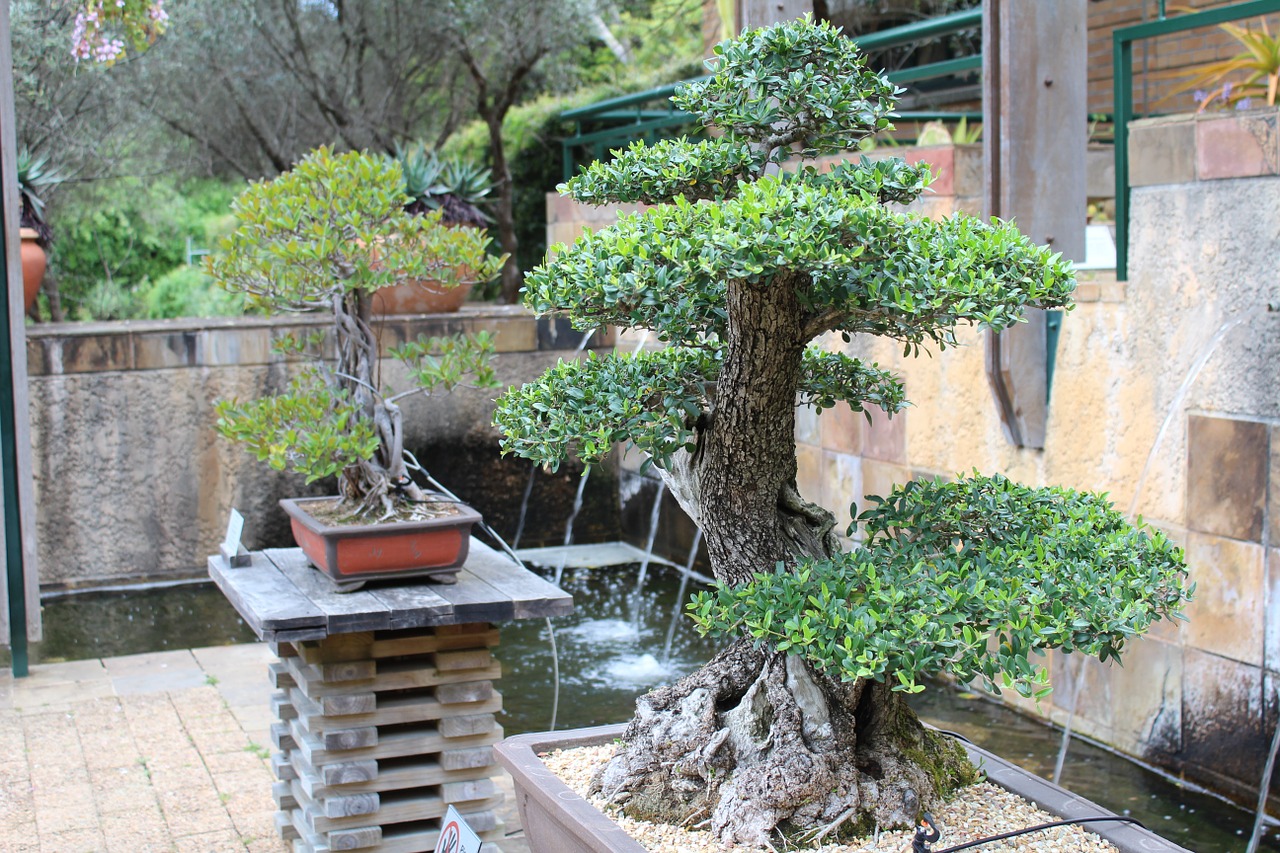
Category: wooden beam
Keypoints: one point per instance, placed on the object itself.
(761, 13)
(1034, 139)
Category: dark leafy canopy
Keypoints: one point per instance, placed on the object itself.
(654, 400)
(868, 268)
(778, 86)
(968, 578)
(858, 266)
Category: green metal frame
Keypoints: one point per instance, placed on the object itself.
(636, 117)
(9, 470)
(1122, 57)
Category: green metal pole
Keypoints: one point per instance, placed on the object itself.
(9, 470)
(1122, 77)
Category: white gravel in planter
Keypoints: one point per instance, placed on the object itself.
(979, 811)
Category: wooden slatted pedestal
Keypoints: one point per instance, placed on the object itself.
(385, 700)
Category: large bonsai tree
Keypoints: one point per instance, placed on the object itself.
(325, 236)
(799, 725)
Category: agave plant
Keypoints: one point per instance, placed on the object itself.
(34, 175)
(455, 188)
(1259, 62)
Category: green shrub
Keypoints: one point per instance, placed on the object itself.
(187, 291)
(114, 241)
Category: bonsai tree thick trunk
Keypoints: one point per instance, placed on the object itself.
(757, 739)
(799, 726)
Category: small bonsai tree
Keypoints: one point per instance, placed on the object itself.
(325, 236)
(799, 726)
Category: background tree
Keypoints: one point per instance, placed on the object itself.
(799, 724)
(500, 44)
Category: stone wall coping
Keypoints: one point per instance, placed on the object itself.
(248, 321)
(1205, 146)
(55, 349)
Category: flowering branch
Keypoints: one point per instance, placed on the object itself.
(103, 26)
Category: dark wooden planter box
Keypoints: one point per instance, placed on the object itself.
(557, 819)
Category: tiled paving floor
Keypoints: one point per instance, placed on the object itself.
(162, 751)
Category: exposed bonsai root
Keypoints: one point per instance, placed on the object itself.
(759, 744)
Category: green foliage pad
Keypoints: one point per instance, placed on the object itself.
(969, 578)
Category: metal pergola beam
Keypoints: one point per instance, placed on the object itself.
(1122, 41)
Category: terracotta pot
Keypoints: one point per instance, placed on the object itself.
(34, 261)
(555, 818)
(420, 297)
(353, 554)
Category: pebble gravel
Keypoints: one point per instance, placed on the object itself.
(977, 812)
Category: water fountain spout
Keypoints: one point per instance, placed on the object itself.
(1263, 789)
(524, 507)
(686, 571)
(568, 528)
(1176, 406)
(638, 596)
(1066, 729)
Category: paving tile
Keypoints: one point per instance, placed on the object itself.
(1147, 712)
(1271, 630)
(66, 818)
(58, 696)
(74, 841)
(255, 721)
(175, 784)
(1162, 152)
(49, 784)
(841, 429)
(210, 842)
(1236, 146)
(271, 843)
(807, 429)
(19, 839)
(185, 800)
(139, 844)
(144, 823)
(129, 790)
(1227, 466)
(885, 438)
(234, 763)
(841, 486)
(153, 682)
(172, 661)
(209, 820)
(212, 744)
(1230, 584)
(1222, 715)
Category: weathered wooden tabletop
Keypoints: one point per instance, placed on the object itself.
(283, 598)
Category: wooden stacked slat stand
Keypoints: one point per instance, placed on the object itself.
(386, 716)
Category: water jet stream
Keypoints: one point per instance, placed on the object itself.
(684, 583)
(1176, 406)
(573, 515)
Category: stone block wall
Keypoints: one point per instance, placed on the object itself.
(133, 483)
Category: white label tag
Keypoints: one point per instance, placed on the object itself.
(456, 836)
(235, 526)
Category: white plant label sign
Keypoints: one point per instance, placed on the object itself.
(235, 527)
(456, 836)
